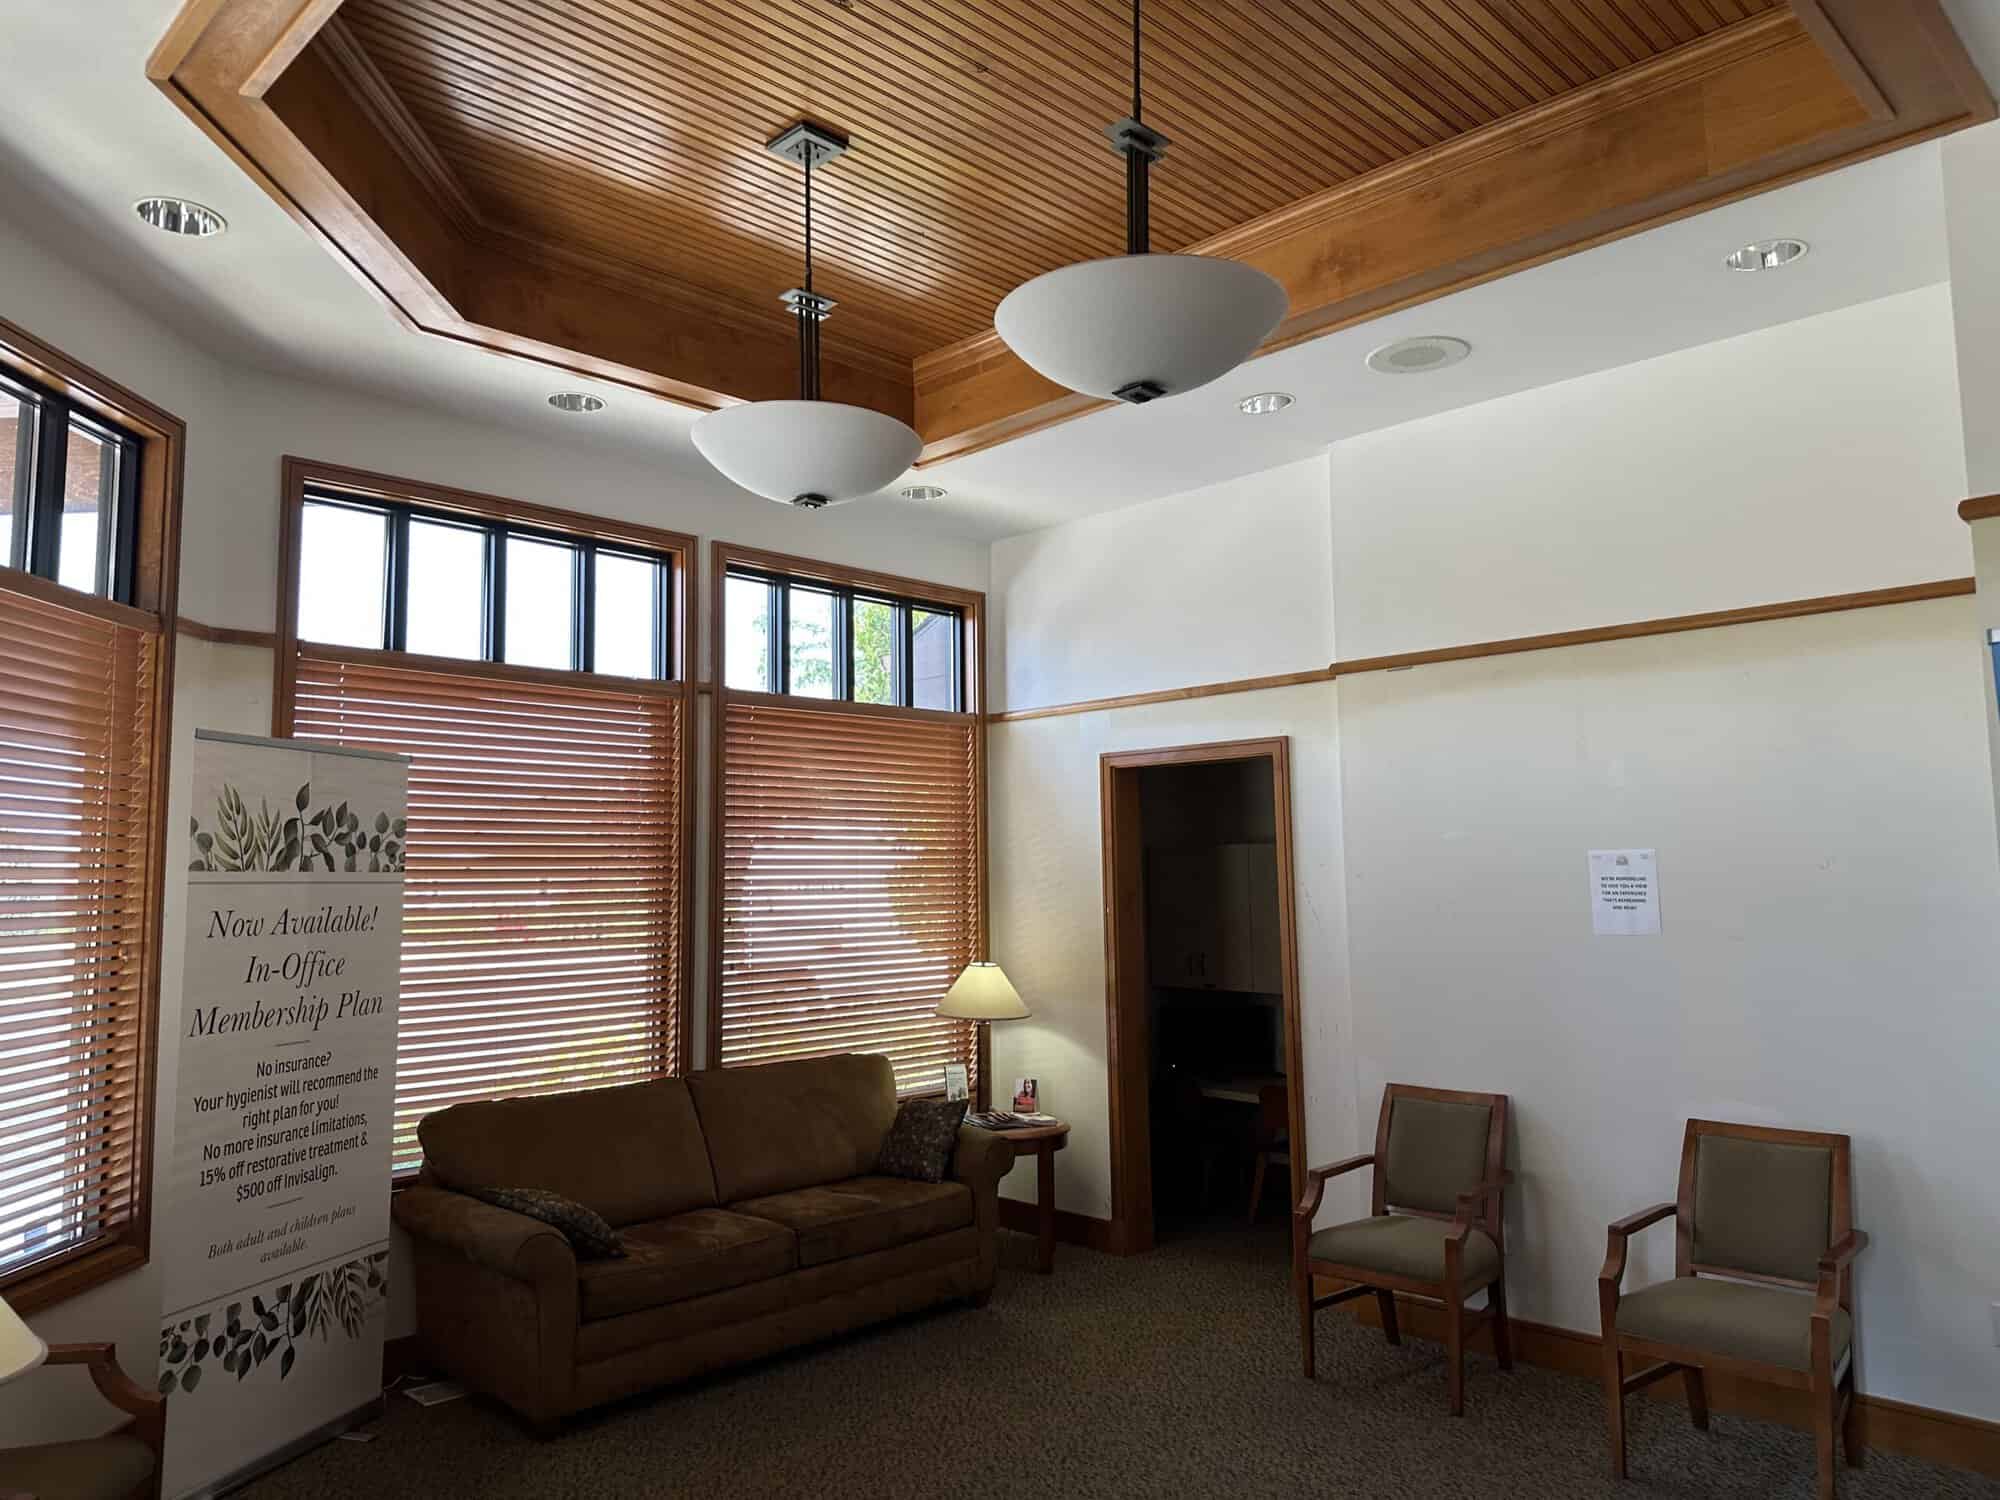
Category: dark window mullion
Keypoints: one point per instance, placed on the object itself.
(906, 654)
(399, 579)
(496, 593)
(583, 650)
(843, 646)
(125, 545)
(663, 621)
(45, 506)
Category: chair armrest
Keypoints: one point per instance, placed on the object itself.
(1619, 1233)
(981, 1158)
(1471, 1199)
(1832, 1267)
(115, 1386)
(497, 1238)
(1318, 1177)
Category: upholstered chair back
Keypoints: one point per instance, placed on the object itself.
(1762, 1207)
(1436, 1150)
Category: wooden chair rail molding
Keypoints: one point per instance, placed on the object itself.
(1894, 1426)
(1825, 604)
(289, 92)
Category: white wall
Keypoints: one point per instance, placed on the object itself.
(1818, 457)
(1818, 793)
(241, 423)
(1168, 581)
(1816, 788)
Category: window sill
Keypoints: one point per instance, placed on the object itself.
(42, 1287)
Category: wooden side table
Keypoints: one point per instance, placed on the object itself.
(1042, 1142)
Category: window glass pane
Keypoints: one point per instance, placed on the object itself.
(90, 481)
(541, 603)
(342, 559)
(875, 630)
(17, 448)
(447, 615)
(811, 645)
(746, 609)
(933, 660)
(627, 615)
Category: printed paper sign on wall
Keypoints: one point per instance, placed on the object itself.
(273, 1226)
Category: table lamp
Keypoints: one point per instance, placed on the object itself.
(981, 993)
(20, 1350)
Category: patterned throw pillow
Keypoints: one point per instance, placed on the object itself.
(922, 1140)
(584, 1228)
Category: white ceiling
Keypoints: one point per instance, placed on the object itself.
(83, 134)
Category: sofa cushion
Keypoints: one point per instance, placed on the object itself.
(1767, 1324)
(779, 1126)
(630, 1153)
(1404, 1245)
(101, 1468)
(863, 1214)
(689, 1255)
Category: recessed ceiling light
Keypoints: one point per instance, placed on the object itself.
(180, 216)
(1264, 403)
(575, 401)
(1418, 356)
(1766, 255)
(924, 492)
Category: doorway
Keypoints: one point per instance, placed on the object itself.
(1201, 964)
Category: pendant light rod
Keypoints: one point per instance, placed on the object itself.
(1141, 147)
(808, 324)
(810, 146)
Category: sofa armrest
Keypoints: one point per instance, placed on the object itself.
(982, 1158)
(497, 1238)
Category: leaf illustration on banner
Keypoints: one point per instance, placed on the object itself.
(331, 839)
(297, 1316)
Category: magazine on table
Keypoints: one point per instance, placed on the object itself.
(1001, 1119)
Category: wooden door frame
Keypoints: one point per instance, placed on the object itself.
(1127, 1045)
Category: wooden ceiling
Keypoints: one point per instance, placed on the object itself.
(632, 133)
(585, 183)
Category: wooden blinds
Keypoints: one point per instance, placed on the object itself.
(78, 692)
(850, 883)
(541, 929)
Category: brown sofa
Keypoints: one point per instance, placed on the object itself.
(751, 1216)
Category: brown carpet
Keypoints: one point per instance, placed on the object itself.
(1174, 1373)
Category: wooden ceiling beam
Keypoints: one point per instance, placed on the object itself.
(1766, 102)
(1716, 116)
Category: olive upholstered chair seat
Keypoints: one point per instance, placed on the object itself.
(1763, 1281)
(1436, 1227)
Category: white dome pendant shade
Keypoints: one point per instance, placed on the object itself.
(1113, 328)
(1137, 327)
(809, 453)
(784, 450)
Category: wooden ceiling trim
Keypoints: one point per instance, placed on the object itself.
(1688, 130)
(374, 97)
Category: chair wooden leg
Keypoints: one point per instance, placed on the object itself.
(1385, 1304)
(1697, 1389)
(1853, 1445)
(1826, 1403)
(1454, 1343)
(1256, 1187)
(1614, 1406)
(1503, 1334)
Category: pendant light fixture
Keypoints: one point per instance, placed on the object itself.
(1139, 326)
(810, 452)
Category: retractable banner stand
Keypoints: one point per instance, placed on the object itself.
(272, 1227)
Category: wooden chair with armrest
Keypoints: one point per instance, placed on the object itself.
(1436, 1226)
(121, 1465)
(1772, 1211)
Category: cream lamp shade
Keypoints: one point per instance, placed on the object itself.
(982, 993)
(20, 1350)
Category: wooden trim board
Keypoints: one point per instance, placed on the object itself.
(1893, 1426)
(1021, 1216)
(1980, 508)
(1789, 609)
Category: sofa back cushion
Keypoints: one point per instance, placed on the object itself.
(779, 1126)
(631, 1153)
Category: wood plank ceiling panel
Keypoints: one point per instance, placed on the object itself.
(626, 135)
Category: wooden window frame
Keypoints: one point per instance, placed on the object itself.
(971, 607)
(154, 540)
(678, 548)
